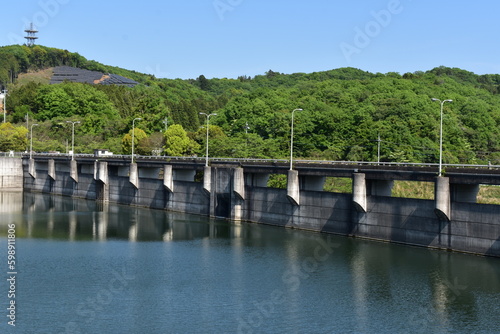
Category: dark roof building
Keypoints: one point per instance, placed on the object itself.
(73, 74)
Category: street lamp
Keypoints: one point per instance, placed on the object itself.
(208, 117)
(133, 135)
(31, 141)
(165, 121)
(441, 134)
(3, 96)
(73, 138)
(291, 139)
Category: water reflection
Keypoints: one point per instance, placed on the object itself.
(57, 217)
(324, 283)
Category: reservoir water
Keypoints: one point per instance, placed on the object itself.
(85, 267)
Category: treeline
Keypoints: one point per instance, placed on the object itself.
(347, 113)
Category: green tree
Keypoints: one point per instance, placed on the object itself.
(12, 137)
(139, 135)
(177, 142)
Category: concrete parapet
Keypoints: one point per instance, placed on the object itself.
(292, 189)
(465, 193)
(359, 192)
(381, 187)
(134, 175)
(256, 180)
(184, 175)
(442, 198)
(168, 178)
(74, 170)
(207, 179)
(312, 183)
(239, 183)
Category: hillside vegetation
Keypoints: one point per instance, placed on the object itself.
(344, 112)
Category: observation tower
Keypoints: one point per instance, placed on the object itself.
(31, 35)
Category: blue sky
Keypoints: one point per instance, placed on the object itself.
(229, 38)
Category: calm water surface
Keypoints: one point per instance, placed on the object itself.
(89, 268)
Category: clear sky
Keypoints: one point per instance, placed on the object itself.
(229, 38)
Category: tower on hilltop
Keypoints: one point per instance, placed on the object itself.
(31, 35)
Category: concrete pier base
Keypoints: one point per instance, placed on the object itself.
(207, 179)
(52, 169)
(32, 168)
(134, 175)
(442, 198)
(239, 183)
(359, 192)
(168, 178)
(74, 170)
(292, 189)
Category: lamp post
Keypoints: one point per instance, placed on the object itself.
(165, 121)
(441, 134)
(291, 139)
(73, 138)
(3, 96)
(133, 135)
(31, 141)
(206, 153)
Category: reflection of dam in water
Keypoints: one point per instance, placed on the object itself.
(41, 213)
(186, 265)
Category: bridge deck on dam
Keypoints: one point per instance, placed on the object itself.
(458, 174)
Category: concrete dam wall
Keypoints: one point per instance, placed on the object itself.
(11, 173)
(452, 221)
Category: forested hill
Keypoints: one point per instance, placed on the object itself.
(345, 111)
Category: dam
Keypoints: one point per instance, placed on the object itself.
(238, 190)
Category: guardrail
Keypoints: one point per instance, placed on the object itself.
(263, 161)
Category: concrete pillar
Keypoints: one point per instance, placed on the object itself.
(134, 175)
(32, 168)
(256, 180)
(239, 194)
(359, 192)
(465, 193)
(74, 170)
(102, 186)
(292, 188)
(381, 187)
(442, 198)
(96, 170)
(312, 183)
(239, 183)
(207, 179)
(52, 169)
(168, 178)
(102, 174)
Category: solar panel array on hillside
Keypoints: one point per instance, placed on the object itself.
(73, 74)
